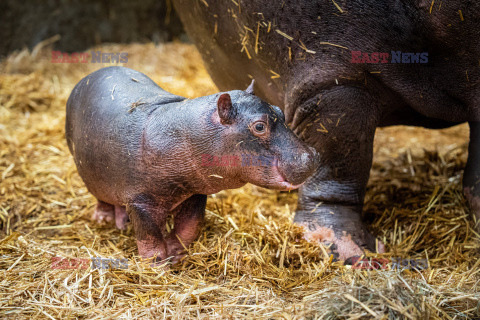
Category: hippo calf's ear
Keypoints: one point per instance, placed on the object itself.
(250, 87)
(226, 111)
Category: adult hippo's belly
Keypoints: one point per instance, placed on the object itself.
(304, 56)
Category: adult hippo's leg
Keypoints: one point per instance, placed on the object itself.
(471, 176)
(340, 123)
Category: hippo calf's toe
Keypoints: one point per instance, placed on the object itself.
(141, 152)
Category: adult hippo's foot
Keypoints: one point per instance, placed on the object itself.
(330, 202)
(471, 176)
(339, 227)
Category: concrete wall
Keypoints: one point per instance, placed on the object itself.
(84, 23)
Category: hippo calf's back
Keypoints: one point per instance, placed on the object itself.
(106, 114)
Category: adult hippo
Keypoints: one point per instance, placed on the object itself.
(339, 69)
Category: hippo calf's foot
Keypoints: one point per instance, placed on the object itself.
(340, 228)
(104, 213)
(121, 217)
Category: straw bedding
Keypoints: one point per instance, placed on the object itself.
(250, 260)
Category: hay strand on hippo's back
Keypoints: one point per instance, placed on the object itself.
(250, 261)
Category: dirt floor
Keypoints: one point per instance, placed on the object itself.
(250, 260)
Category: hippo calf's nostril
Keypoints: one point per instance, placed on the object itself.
(316, 158)
(311, 160)
(297, 168)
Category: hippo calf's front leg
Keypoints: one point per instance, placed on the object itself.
(471, 176)
(331, 201)
(149, 221)
(188, 222)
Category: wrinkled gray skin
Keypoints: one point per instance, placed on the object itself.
(139, 150)
(300, 56)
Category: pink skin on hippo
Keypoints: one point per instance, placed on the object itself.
(139, 151)
(300, 54)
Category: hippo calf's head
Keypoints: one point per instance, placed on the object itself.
(267, 152)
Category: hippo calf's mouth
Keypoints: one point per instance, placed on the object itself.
(282, 182)
(292, 172)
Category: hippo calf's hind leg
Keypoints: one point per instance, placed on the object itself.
(104, 212)
(471, 176)
(121, 217)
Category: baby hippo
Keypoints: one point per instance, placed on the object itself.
(142, 152)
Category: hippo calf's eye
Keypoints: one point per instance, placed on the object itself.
(259, 128)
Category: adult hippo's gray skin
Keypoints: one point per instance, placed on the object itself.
(300, 54)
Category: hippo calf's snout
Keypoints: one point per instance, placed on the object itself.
(294, 161)
(296, 168)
